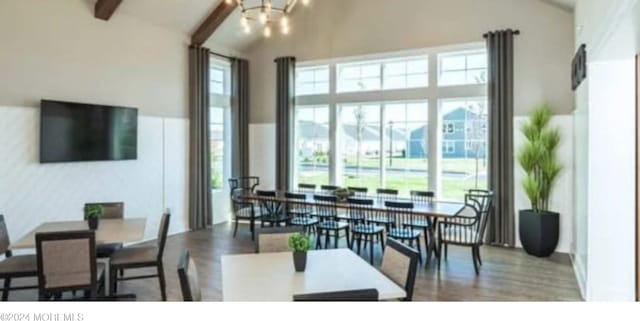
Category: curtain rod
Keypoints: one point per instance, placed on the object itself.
(515, 32)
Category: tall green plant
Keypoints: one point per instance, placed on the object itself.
(538, 158)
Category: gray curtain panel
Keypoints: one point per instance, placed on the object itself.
(500, 82)
(240, 117)
(200, 215)
(285, 102)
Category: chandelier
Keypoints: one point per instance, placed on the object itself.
(266, 14)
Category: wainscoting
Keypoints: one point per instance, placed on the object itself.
(31, 193)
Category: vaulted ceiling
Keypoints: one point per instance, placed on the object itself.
(185, 16)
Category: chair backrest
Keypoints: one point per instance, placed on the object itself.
(361, 210)
(162, 234)
(385, 194)
(326, 205)
(113, 210)
(66, 261)
(306, 188)
(246, 184)
(188, 275)
(401, 212)
(359, 191)
(271, 205)
(300, 205)
(352, 295)
(329, 189)
(482, 201)
(422, 196)
(5, 242)
(400, 264)
(275, 239)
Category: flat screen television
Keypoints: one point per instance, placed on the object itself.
(75, 132)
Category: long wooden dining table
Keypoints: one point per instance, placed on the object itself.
(435, 209)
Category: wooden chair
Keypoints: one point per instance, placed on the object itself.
(275, 239)
(400, 264)
(301, 213)
(327, 211)
(112, 211)
(383, 218)
(402, 213)
(244, 183)
(272, 210)
(353, 295)
(467, 228)
(244, 211)
(360, 211)
(423, 223)
(67, 262)
(136, 257)
(188, 275)
(13, 267)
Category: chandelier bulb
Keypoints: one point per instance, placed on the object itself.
(263, 17)
(267, 31)
(306, 2)
(284, 21)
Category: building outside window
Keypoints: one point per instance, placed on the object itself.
(376, 123)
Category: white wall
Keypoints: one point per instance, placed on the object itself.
(58, 50)
(605, 150)
(338, 28)
(32, 193)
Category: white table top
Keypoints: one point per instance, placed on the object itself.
(109, 231)
(272, 277)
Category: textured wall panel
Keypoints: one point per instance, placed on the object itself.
(31, 193)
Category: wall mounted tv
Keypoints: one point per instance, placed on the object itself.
(73, 132)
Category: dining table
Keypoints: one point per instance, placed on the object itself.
(271, 277)
(109, 231)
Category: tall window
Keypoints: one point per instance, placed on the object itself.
(462, 68)
(464, 150)
(360, 142)
(220, 102)
(313, 147)
(380, 125)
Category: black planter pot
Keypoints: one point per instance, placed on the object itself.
(539, 232)
(93, 223)
(300, 261)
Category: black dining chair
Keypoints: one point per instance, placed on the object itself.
(359, 191)
(402, 213)
(272, 210)
(327, 211)
(346, 296)
(362, 229)
(244, 211)
(300, 212)
(247, 184)
(423, 223)
(306, 188)
(188, 276)
(467, 228)
(387, 194)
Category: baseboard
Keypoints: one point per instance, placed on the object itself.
(579, 271)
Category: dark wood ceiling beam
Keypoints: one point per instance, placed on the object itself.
(213, 21)
(104, 9)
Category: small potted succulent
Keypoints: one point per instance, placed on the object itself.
(93, 213)
(342, 194)
(300, 243)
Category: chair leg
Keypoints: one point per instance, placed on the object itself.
(253, 230)
(163, 285)
(381, 236)
(326, 239)
(446, 251)
(318, 237)
(113, 281)
(235, 228)
(440, 256)
(371, 239)
(359, 243)
(335, 238)
(5, 292)
(478, 255)
(427, 246)
(419, 250)
(348, 238)
(475, 260)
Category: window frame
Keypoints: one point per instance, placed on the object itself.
(466, 68)
(221, 101)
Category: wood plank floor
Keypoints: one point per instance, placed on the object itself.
(507, 274)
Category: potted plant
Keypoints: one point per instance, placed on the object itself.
(539, 228)
(93, 213)
(342, 194)
(299, 243)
